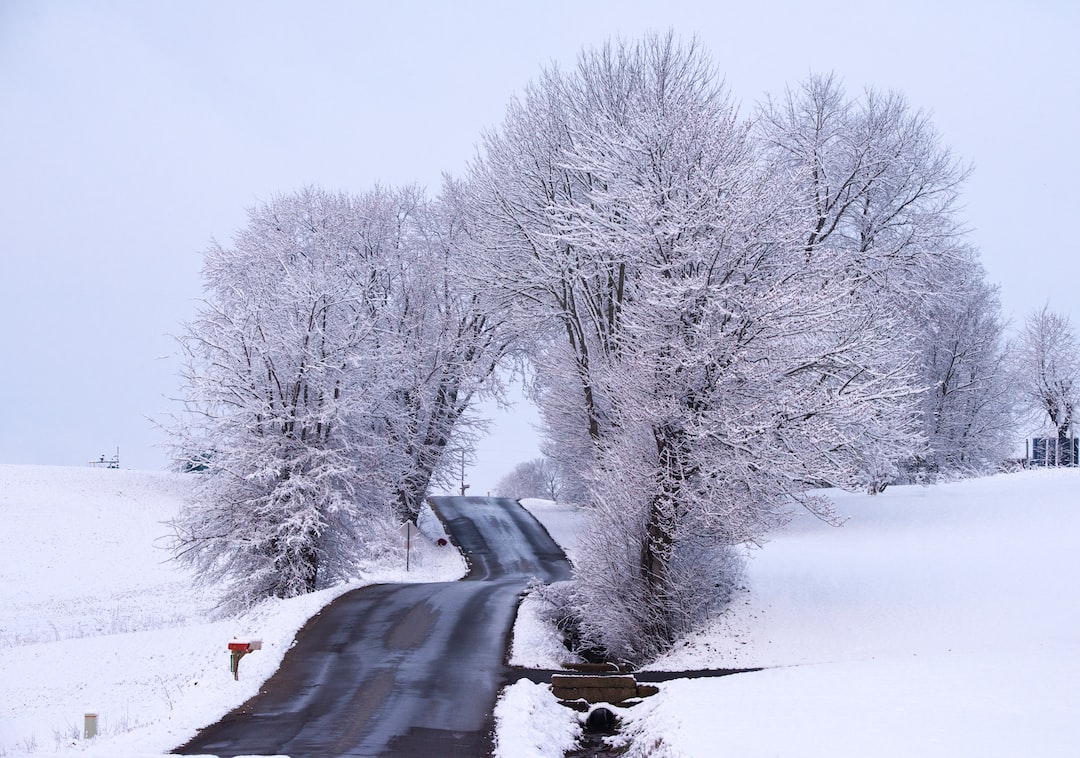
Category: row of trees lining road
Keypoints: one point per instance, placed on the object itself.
(736, 309)
(721, 313)
(330, 370)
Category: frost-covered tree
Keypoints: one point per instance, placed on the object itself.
(330, 364)
(536, 478)
(878, 198)
(1048, 370)
(273, 359)
(703, 355)
(968, 408)
(439, 341)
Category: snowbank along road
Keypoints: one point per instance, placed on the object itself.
(402, 670)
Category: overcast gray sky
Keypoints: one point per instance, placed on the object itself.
(134, 132)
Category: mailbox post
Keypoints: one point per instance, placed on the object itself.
(237, 650)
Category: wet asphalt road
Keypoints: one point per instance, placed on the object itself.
(402, 670)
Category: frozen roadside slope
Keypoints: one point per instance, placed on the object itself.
(938, 621)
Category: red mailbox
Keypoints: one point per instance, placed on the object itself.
(237, 650)
(245, 646)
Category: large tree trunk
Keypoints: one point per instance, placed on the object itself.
(659, 544)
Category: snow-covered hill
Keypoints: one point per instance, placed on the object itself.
(96, 618)
(938, 621)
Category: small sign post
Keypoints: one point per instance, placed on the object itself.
(407, 529)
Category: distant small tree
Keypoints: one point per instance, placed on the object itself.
(1048, 370)
(537, 478)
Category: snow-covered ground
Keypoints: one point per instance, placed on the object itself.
(95, 618)
(938, 621)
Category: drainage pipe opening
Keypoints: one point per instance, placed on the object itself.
(601, 721)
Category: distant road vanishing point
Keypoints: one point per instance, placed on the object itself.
(402, 669)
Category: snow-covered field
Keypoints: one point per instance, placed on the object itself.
(95, 618)
(938, 621)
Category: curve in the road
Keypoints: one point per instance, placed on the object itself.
(402, 670)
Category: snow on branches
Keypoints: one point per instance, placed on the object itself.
(729, 312)
(1047, 366)
(330, 367)
(723, 314)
